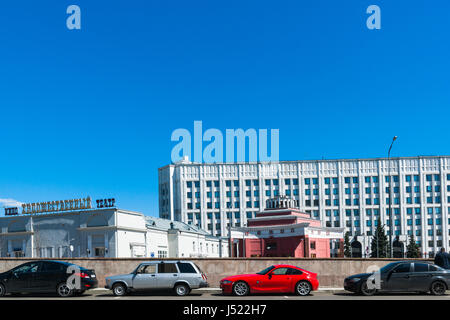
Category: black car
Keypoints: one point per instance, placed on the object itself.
(402, 276)
(66, 279)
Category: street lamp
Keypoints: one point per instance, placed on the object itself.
(390, 199)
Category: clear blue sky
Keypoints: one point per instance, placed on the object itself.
(90, 112)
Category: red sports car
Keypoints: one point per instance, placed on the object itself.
(278, 278)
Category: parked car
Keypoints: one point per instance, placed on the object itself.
(277, 278)
(47, 277)
(179, 276)
(402, 276)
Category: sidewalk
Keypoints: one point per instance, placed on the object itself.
(321, 289)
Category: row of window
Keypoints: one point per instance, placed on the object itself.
(327, 180)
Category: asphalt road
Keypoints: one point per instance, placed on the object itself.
(101, 294)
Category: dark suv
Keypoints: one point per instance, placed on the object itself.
(66, 279)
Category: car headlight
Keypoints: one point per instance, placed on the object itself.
(226, 281)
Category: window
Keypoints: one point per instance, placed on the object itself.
(292, 271)
(100, 251)
(280, 271)
(402, 268)
(420, 267)
(162, 253)
(52, 267)
(313, 245)
(186, 267)
(149, 268)
(167, 268)
(29, 267)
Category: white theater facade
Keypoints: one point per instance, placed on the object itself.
(62, 231)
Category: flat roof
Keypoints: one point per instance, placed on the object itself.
(295, 161)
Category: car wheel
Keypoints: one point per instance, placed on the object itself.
(438, 288)
(2, 290)
(119, 289)
(63, 290)
(181, 289)
(240, 288)
(303, 288)
(364, 290)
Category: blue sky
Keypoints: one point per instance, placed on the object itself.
(91, 111)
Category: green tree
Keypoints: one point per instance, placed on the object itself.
(412, 249)
(347, 245)
(379, 246)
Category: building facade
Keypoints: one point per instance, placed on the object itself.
(283, 231)
(351, 194)
(103, 232)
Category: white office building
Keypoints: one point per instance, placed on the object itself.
(350, 193)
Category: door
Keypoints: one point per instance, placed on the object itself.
(278, 280)
(145, 277)
(22, 277)
(49, 275)
(399, 278)
(168, 274)
(421, 277)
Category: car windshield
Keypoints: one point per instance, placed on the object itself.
(265, 270)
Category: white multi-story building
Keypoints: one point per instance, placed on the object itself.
(350, 193)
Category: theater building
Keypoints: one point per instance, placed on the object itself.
(283, 231)
(76, 228)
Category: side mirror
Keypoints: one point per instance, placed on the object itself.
(270, 275)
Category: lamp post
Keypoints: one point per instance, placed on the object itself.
(390, 198)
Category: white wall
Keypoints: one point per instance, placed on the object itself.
(157, 240)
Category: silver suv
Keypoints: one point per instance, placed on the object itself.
(180, 276)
